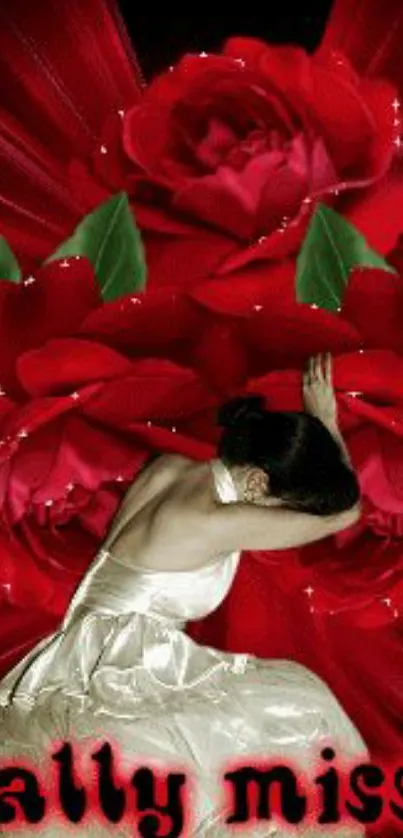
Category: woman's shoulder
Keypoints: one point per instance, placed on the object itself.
(173, 461)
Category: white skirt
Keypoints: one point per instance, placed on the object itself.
(138, 682)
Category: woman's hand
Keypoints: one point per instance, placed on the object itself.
(320, 399)
(318, 391)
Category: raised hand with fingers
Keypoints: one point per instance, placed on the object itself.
(318, 390)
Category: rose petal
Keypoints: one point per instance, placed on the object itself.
(182, 261)
(150, 321)
(371, 37)
(378, 212)
(237, 295)
(153, 390)
(67, 365)
(377, 374)
(350, 118)
(52, 304)
(373, 304)
(87, 190)
(77, 459)
(221, 358)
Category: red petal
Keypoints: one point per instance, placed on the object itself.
(77, 459)
(144, 322)
(109, 160)
(221, 358)
(56, 93)
(168, 441)
(21, 582)
(157, 215)
(373, 304)
(238, 294)
(355, 121)
(154, 390)
(378, 374)
(68, 364)
(378, 211)
(370, 34)
(88, 192)
(52, 304)
(174, 261)
(146, 136)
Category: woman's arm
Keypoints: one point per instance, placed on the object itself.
(241, 526)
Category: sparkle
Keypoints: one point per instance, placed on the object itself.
(173, 429)
(262, 239)
(354, 393)
(65, 263)
(338, 308)
(149, 424)
(308, 591)
(2, 392)
(22, 434)
(398, 142)
(203, 55)
(75, 396)
(70, 487)
(313, 305)
(395, 613)
(396, 105)
(336, 192)
(307, 200)
(29, 280)
(135, 300)
(257, 308)
(387, 601)
(48, 502)
(119, 479)
(240, 61)
(77, 257)
(103, 149)
(396, 122)
(361, 351)
(121, 112)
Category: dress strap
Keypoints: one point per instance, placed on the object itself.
(224, 482)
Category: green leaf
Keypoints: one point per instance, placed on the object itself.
(9, 267)
(109, 239)
(332, 247)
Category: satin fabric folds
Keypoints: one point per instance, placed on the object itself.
(121, 669)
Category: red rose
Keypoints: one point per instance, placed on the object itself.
(228, 153)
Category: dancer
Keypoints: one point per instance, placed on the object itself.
(50, 117)
(121, 668)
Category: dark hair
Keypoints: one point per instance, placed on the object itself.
(304, 463)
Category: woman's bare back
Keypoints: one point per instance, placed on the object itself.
(163, 520)
(171, 519)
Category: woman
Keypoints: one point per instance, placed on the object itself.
(121, 669)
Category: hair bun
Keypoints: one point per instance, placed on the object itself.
(241, 410)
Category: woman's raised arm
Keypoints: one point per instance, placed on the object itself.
(241, 526)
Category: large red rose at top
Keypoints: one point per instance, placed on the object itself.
(241, 145)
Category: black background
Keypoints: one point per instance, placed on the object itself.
(160, 39)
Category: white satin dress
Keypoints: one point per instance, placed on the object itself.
(122, 669)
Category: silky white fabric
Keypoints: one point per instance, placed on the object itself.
(122, 669)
